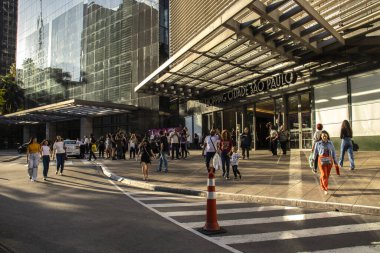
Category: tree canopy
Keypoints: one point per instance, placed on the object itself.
(11, 95)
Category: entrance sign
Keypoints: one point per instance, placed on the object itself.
(254, 87)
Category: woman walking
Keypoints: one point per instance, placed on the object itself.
(273, 137)
(326, 152)
(346, 145)
(146, 153)
(225, 148)
(60, 153)
(45, 151)
(32, 158)
(132, 146)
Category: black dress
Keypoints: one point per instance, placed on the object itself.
(145, 154)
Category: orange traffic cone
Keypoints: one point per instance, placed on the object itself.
(211, 226)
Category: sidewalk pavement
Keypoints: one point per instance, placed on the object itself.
(9, 155)
(279, 180)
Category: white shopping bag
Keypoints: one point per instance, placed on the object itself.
(217, 161)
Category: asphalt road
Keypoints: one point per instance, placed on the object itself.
(82, 211)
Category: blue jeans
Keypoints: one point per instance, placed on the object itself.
(347, 146)
(60, 161)
(45, 162)
(163, 160)
(209, 156)
(226, 163)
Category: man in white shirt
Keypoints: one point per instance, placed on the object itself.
(174, 141)
(210, 146)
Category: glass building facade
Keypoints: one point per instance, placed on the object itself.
(92, 50)
(8, 25)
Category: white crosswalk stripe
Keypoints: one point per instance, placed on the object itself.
(361, 249)
(294, 234)
(231, 210)
(164, 198)
(188, 204)
(285, 218)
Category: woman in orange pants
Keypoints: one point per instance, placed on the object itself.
(325, 151)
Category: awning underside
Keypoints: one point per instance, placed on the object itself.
(67, 110)
(268, 37)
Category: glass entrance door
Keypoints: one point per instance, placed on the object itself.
(299, 118)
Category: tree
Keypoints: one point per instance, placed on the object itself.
(11, 95)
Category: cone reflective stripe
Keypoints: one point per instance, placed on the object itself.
(211, 216)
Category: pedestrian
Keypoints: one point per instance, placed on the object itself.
(164, 147)
(146, 154)
(183, 143)
(235, 162)
(45, 151)
(225, 147)
(316, 138)
(101, 147)
(326, 152)
(113, 146)
(283, 137)
(233, 137)
(210, 146)
(60, 154)
(93, 149)
(33, 153)
(196, 141)
(273, 137)
(87, 144)
(245, 142)
(346, 145)
(132, 146)
(174, 142)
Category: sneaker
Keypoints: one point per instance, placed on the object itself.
(352, 168)
(56, 172)
(32, 180)
(227, 177)
(45, 179)
(325, 192)
(61, 174)
(314, 171)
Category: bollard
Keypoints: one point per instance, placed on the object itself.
(211, 226)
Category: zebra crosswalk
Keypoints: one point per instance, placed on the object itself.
(266, 228)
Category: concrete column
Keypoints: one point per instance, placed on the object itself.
(26, 134)
(85, 127)
(51, 131)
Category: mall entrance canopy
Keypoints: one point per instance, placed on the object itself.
(66, 110)
(254, 39)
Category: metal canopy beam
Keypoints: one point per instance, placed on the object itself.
(285, 26)
(317, 17)
(258, 38)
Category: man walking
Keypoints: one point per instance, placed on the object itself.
(164, 147)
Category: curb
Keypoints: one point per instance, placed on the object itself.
(11, 159)
(327, 206)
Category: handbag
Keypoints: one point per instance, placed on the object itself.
(311, 160)
(355, 146)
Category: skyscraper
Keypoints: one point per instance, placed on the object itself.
(8, 28)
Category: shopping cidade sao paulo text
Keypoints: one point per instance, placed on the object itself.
(252, 88)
